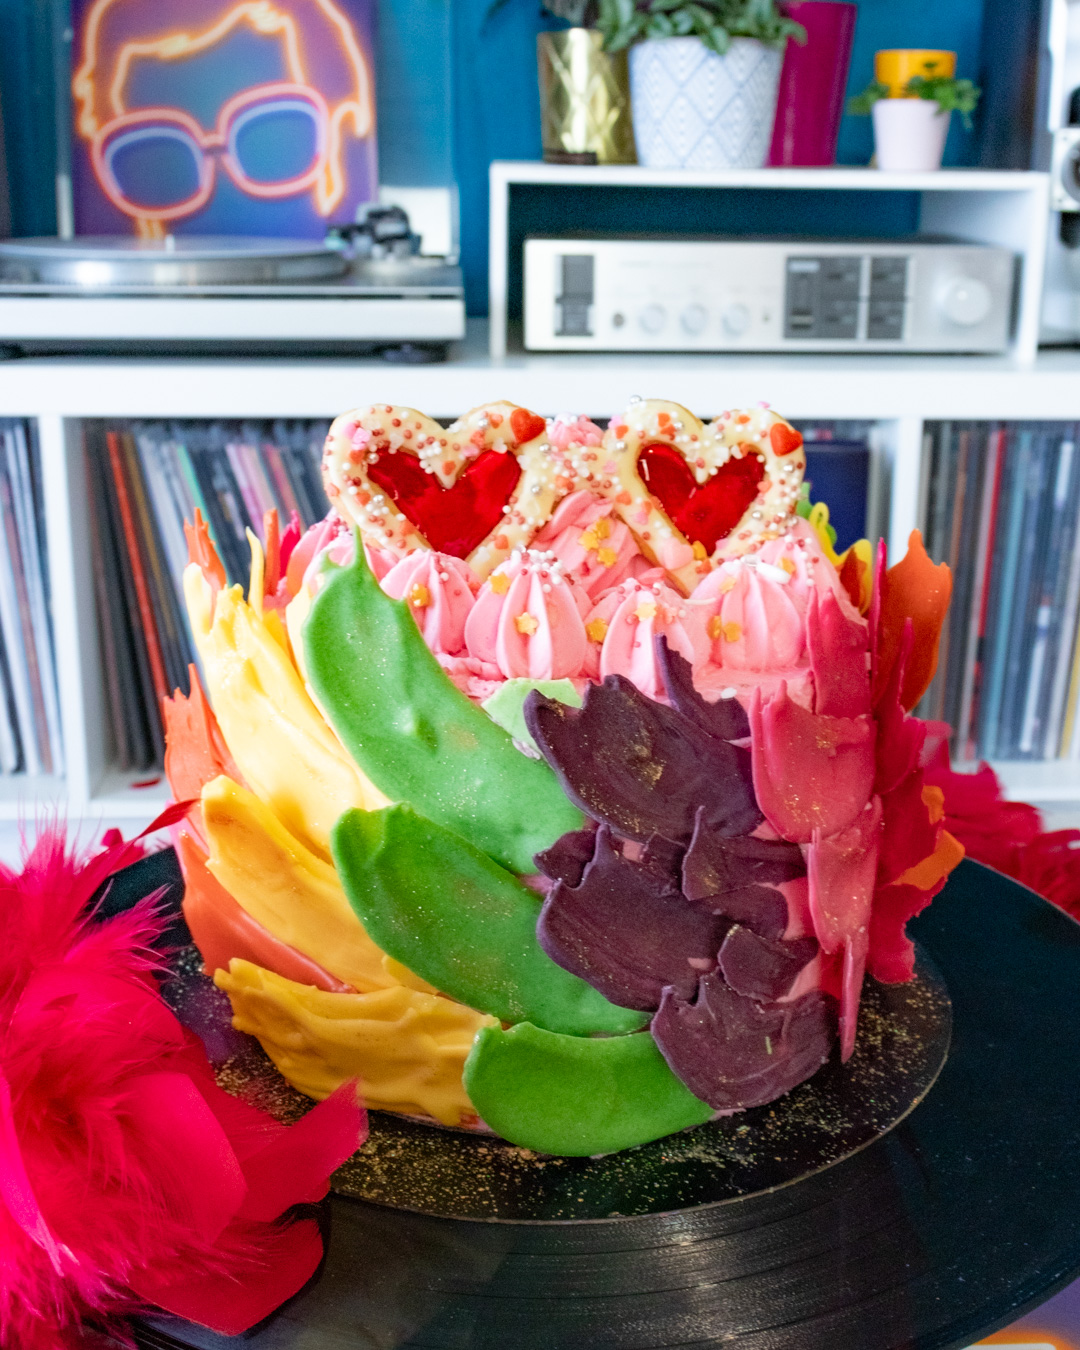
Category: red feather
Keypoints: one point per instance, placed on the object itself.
(127, 1177)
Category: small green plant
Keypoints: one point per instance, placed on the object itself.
(715, 22)
(861, 104)
(950, 95)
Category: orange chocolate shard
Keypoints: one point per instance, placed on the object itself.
(919, 590)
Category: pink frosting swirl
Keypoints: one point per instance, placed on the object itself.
(527, 619)
(477, 680)
(623, 623)
(567, 429)
(753, 622)
(440, 592)
(799, 553)
(594, 546)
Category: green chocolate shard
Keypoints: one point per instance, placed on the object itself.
(505, 705)
(463, 923)
(574, 1096)
(415, 735)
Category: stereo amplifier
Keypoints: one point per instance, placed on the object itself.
(637, 294)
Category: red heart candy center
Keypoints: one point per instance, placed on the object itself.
(456, 519)
(708, 513)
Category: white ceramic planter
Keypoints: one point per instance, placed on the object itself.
(909, 134)
(696, 110)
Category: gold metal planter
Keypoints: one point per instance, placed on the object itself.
(584, 99)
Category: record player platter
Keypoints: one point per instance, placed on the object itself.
(197, 295)
(185, 260)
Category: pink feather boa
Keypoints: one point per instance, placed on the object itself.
(128, 1178)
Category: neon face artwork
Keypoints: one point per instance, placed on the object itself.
(171, 109)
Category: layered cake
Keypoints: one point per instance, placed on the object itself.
(562, 782)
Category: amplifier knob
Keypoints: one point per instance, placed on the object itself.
(736, 320)
(694, 319)
(965, 301)
(652, 318)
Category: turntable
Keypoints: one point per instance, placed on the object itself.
(196, 295)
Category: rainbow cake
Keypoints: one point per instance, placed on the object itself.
(562, 782)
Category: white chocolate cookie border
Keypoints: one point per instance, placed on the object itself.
(356, 438)
(705, 449)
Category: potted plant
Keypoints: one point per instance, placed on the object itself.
(703, 77)
(584, 89)
(910, 128)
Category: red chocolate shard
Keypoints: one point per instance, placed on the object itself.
(838, 650)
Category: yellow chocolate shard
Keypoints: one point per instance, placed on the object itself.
(406, 1047)
(293, 893)
(282, 745)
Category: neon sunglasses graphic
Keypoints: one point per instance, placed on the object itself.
(169, 127)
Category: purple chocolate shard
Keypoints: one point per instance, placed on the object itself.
(626, 932)
(565, 860)
(641, 766)
(715, 863)
(725, 718)
(734, 1052)
(664, 857)
(763, 968)
(762, 909)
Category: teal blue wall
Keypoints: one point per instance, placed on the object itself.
(456, 89)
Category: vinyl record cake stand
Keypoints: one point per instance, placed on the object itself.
(936, 1232)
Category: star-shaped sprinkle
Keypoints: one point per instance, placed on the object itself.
(596, 630)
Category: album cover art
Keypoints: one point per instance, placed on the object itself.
(228, 117)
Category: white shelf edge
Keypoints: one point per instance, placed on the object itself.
(860, 178)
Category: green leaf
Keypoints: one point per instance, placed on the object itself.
(414, 734)
(463, 923)
(574, 1096)
(719, 39)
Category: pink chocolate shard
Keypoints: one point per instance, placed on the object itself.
(842, 870)
(838, 649)
(811, 773)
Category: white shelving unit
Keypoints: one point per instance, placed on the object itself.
(896, 393)
(1004, 207)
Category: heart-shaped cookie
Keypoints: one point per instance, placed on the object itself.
(477, 489)
(694, 494)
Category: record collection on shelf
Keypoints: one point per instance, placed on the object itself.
(30, 736)
(145, 479)
(1001, 505)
